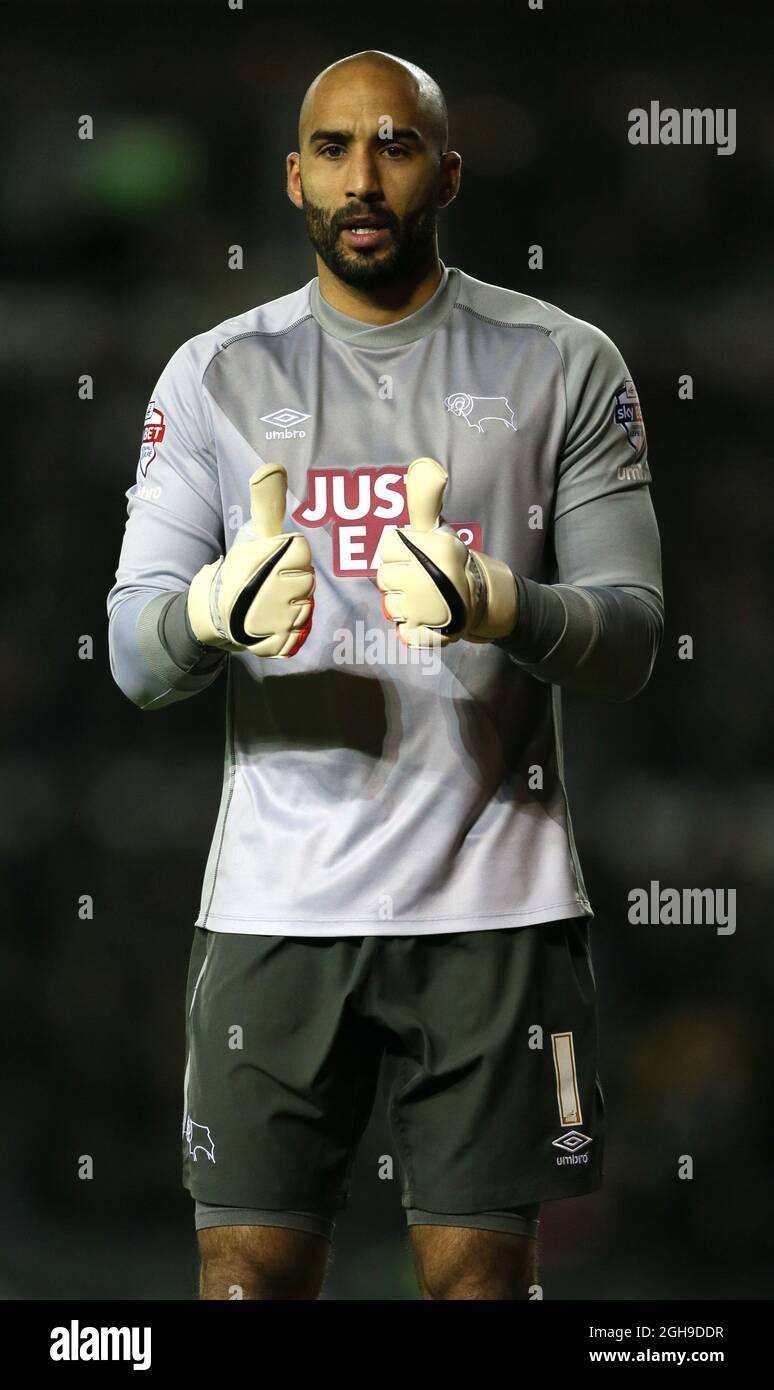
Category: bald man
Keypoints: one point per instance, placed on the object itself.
(401, 509)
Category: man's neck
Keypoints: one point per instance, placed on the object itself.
(385, 305)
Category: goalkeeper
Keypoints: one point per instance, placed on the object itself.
(393, 886)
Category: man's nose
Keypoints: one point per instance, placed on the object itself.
(363, 175)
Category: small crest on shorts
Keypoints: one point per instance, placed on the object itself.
(199, 1137)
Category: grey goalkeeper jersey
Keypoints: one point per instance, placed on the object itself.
(368, 788)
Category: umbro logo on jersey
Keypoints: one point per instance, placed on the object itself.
(474, 410)
(572, 1141)
(284, 422)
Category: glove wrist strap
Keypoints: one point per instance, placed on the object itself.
(199, 607)
(501, 608)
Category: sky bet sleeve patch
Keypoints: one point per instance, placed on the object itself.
(628, 414)
(153, 433)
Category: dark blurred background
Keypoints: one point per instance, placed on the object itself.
(114, 252)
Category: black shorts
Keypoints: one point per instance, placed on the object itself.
(489, 1039)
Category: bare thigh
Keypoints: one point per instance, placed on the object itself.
(463, 1262)
(261, 1262)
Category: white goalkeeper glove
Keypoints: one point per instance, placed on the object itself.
(259, 598)
(435, 589)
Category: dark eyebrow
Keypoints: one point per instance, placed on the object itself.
(344, 137)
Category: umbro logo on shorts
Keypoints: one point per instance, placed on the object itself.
(571, 1143)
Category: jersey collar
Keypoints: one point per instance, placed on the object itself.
(406, 330)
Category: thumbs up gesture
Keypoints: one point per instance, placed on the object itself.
(260, 597)
(435, 589)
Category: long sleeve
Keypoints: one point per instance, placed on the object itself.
(598, 626)
(174, 526)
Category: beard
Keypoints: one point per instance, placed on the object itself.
(411, 246)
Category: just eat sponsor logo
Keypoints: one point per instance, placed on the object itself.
(360, 506)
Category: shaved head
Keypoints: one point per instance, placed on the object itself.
(371, 173)
(427, 96)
